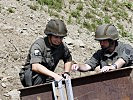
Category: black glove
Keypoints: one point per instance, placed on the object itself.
(65, 75)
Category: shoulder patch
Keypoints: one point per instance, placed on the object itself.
(37, 53)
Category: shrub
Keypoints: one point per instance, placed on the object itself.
(75, 14)
(55, 4)
(80, 7)
(10, 10)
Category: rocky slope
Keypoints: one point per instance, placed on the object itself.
(20, 25)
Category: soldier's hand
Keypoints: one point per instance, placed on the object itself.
(75, 67)
(58, 78)
(107, 68)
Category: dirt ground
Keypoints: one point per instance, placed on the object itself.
(19, 30)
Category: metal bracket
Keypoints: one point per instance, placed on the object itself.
(69, 89)
(62, 91)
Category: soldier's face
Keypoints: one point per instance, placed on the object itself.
(104, 44)
(56, 40)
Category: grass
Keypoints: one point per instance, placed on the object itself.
(107, 19)
(69, 19)
(94, 12)
(55, 4)
(10, 10)
(122, 31)
(75, 13)
(89, 26)
(89, 15)
(94, 3)
(34, 7)
(72, 1)
(129, 5)
(80, 7)
(98, 21)
(53, 13)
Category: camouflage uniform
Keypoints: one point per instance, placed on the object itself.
(102, 58)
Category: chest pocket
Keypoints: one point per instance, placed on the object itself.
(106, 61)
(103, 61)
(48, 59)
(51, 58)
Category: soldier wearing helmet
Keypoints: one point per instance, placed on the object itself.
(113, 53)
(45, 54)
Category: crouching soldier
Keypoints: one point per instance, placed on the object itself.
(45, 54)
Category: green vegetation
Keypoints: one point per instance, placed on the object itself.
(122, 31)
(34, 7)
(97, 21)
(75, 13)
(69, 19)
(90, 13)
(129, 5)
(107, 19)
(94, 3)
(89, 26)
(72, 1)
(10, 10)
(80, 7)
(53, 13)
(55, 4)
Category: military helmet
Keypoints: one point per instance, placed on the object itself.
(106, 31)
(56, 27)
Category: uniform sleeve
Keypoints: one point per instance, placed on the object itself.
(35, 54)
(127, 54)
(67, 55)
(94, 60)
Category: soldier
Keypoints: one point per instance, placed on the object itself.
(112, 55)
(45, 54)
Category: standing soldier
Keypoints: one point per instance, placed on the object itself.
(112, 55)
(45, 54)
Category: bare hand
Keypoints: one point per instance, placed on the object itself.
(107, 68)
(58, 78)
(75, 67)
